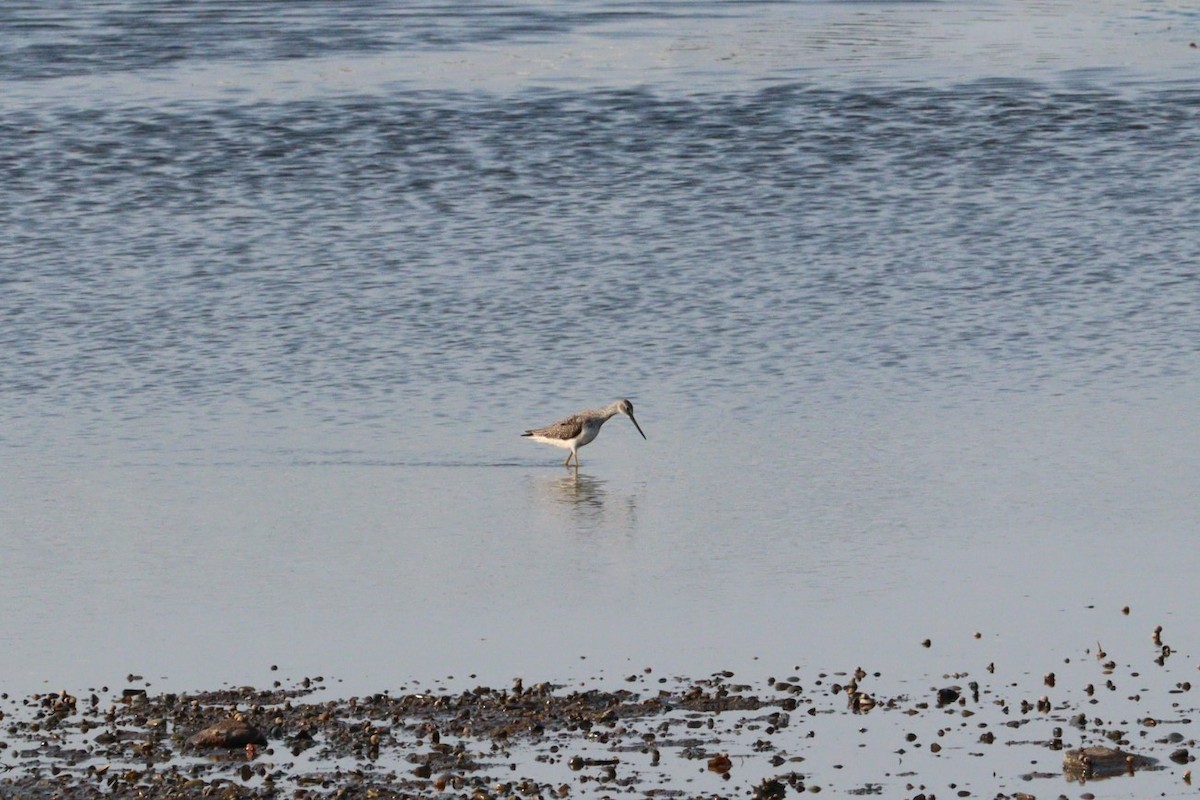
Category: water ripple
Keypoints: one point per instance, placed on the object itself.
(999, 233)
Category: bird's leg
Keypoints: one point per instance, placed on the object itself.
(567, 463)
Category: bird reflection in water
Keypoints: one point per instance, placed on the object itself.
(587, 502)
(581, 492)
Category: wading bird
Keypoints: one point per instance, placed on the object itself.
(578, 429)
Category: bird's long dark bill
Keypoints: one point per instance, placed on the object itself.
(639, 427)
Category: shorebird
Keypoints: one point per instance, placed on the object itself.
(578, 429)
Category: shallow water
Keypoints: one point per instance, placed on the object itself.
(905, 296)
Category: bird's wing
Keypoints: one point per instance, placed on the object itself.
(568, 428)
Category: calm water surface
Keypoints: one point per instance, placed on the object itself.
(905, 295)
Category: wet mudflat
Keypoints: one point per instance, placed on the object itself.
(1097, 725)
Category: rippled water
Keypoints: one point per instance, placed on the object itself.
(377, 253)
(905, 294)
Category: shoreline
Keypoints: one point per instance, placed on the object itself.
(958, 735)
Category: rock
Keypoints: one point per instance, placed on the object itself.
(770, 789)
(1088, 762)
(720, 764)
(228, 733)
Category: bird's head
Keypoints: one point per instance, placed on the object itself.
(625, 407)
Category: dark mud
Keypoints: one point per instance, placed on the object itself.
(847, 733)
